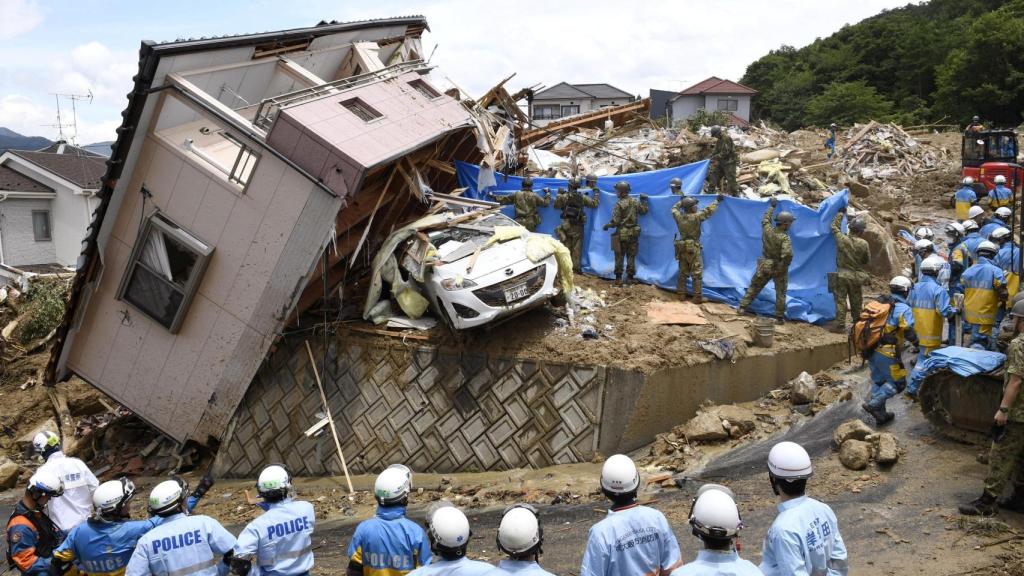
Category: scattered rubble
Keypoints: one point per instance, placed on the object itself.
(855, 454)
(859, 444)
(802, 389)
(884, 447)
(853, 429)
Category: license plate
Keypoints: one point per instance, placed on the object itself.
(517, 292)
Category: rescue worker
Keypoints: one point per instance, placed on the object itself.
(930, 305)
(804, 538)
(1006, 334)
(675, 186)
(852, 256)
(75, 505)
(975, 125)
(715, 519)
(525, 202)
(723, 177)
(626, 238)
(104, 543)
(776, 255)
(631, 539)
(984, 292)
(1008, 260)
(570, 231)
(279, 540)
(181, 544)
(31, 535)
(964, 198)
(888, 377)
(1000, 196)
(924, 249)
(924, 233)
(389, 544)
(449, 533)
(521, 537)
(1007, 448)
(591, 181)
(688, 247)
(972, 237)
(977, 213)
(831, 142)
(1000, 219)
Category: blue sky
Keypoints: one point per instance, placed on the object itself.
(77, 46)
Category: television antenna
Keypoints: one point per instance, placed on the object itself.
(62, 123)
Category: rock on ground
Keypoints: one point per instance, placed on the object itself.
(885, 256)
(803, 389)
(737, 417)
(853, 429)
(886, 448)
(9, 472)
(705, 426)
(855, 454)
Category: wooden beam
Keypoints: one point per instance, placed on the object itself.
(583, 120)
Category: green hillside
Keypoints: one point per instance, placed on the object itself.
(947, 59)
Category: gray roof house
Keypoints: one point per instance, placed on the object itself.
(564, 99)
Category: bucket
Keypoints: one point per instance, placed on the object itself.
(764, 331)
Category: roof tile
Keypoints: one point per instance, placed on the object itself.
(85, 171)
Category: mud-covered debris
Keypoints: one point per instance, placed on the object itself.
(803, 389)
(704, 427)
(855, 454)
(885, 447)
(9, 473)
(737, 416)
(853, 429)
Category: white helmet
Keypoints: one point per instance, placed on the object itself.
(45, 483)
(999, 234)
(449, 529)
(166, 497)
(969, 226)
(714, 514)
(954, 227)
(923, 244)
(1004, 213)
(975, 211)
(519, 531)
(900, 284)
(393, 484)
(274, 483)
(1000, 179)
(987, 246)
(924, 233)
(789, 461)
(932, 265)
(619, 475)
(968, 181)
(111, 496)
(45, 441)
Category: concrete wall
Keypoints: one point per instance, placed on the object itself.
(19, 244)
(686, 106)
(448, 411)
(742, 105)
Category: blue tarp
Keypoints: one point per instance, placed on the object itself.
(731, 239)
(962, 361)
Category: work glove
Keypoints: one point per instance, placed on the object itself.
(643, 197)
(720, 197)
(492, 196)
(842, 210)
(774, 201)
(607, 226)
(205, 483)
(889, 338)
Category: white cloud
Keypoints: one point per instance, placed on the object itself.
(37, 117)
(18, 17)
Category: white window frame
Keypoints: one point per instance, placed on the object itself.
(731, 105)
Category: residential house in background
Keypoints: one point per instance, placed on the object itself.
(563, 100)
(47, 198)
(714, 94)
(661, 103)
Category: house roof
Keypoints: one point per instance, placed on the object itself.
(13, 181)
(716, 85)
(83, 170)
(61, 147)
(564, 90)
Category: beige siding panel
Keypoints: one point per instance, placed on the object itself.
(188, 195)
(126, 225)
(238, 373)
(230, 251)
(212, 217)
(264, 182)
(162, 175)
(145, 382)
(118, 370)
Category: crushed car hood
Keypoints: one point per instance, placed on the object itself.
(496, 257)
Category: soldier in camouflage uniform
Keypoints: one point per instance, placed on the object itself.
(1007, 451)
(525, 202)
(570, 231)
(675, 186)
(852, 256)
(688, 248)
(777, 253)
(626, 238)
(723, 175)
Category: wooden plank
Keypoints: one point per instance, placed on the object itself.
(391, 333)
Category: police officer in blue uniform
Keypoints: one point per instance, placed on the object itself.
(280, 540)
(389, 544)
(181, 544)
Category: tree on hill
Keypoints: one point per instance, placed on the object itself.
(846, 103)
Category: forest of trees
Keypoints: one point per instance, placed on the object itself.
(943, 61)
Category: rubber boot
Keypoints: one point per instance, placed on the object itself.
(838, 328)
(876, 412)
(984, 505)
(618, 280)
(780, 320)
(627, 280)
(1015, 503)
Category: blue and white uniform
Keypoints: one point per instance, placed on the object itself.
(280, 540)
(519, 568)
(390, 544)
(999, 196)
(963, 199)
(888, 376)
(181, 545)
(991, 225)
(75, 505)
(804, 539)
(460, 567)
(631, 540)
(718, 563)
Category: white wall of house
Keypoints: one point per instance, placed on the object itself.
(685, 107)
(20, 246)
(585, 105)
(712, 101)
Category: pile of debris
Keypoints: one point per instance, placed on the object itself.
(875, 151)
(859, 445)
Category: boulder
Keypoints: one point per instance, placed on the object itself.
(853, 429)
(9, 473)
(705, 426)
(858, 189)
(885, 255)
(886, 448)
(855, 454)
(737, 416)
(803, 389)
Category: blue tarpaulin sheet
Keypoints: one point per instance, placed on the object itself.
(731, 238)
(962, 361)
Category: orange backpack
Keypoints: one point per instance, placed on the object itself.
(867, 330)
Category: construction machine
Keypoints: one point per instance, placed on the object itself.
(985, 154)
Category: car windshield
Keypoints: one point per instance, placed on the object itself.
(461, 240)
(982, 147)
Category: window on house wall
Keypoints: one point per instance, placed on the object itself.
(364, 111)
(570, 110)
(245, 162)
(425, 89)
(41, 225)
(163, 275)
(728, 105)
(546, 112)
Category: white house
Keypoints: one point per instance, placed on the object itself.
(563, 100)
(46, 202)
(714, 94)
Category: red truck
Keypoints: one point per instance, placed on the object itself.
(986, 154)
